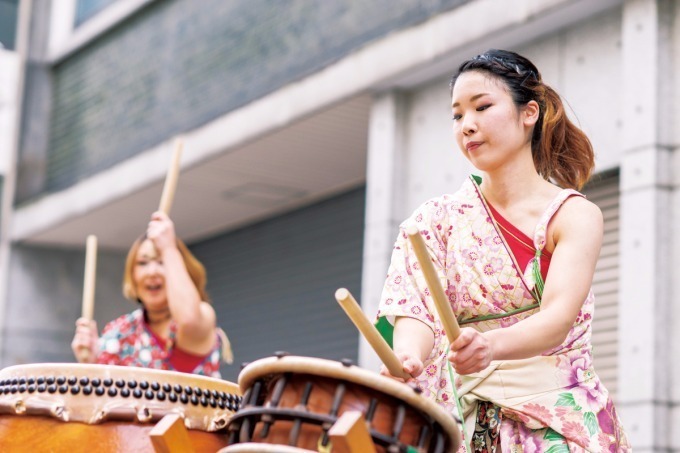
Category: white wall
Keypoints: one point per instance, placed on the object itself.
(434, 164)
(583, 64)
(9, 62)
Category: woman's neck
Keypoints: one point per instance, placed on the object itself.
(514, 182)
(155, 317)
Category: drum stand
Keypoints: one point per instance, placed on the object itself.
(350, 435)
(171, 436)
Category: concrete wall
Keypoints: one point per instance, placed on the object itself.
(36, 102)
(44, 300)
(174, 66)
(648, 387)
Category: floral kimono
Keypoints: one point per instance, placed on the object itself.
(550, 403)
(127, 341)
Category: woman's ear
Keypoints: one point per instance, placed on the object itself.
(531, 112)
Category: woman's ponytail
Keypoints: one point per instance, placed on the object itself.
(562, 152)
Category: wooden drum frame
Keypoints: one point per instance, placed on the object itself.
(294, 401)
(77, 407)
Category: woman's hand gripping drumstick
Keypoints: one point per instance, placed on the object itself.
(440, 300)
(171, 179)
(371, 334)
(84, 344)
(463, 343)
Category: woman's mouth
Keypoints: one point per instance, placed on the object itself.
(471, 146)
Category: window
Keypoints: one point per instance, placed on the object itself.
(85, 9)
(9, 12)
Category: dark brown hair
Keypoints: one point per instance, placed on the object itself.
(561, 151)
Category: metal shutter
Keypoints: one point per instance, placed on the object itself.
(272, 284)
(604, 191)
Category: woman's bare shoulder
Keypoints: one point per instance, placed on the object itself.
(578, 216)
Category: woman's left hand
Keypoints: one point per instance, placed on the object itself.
(161, 231)
(471, 352)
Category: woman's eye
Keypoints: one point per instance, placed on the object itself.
(456, 116)
(483, 107)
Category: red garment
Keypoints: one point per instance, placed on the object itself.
(521, 245)
(180, 360)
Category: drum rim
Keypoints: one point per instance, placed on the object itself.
(352, 373)
(123, 371)
(135, 394)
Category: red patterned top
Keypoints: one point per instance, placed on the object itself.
(129, 341)
(520, 244)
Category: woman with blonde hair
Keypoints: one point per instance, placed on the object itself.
(175, 326)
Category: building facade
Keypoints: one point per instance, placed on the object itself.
(311, 130)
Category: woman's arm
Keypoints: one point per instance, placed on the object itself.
(195, 318)
(577, 233)
(412, 344)
(405, 296)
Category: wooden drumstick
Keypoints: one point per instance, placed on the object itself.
(90, 274)
(89, 282)
(440, 300)
(368, 330)
(171, 178)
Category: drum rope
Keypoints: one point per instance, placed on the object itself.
(458, 405)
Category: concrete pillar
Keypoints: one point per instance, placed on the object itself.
(646, 299)
(15, 70)
(674, 335)
(673, 122)
(384, 187)
(62, 21)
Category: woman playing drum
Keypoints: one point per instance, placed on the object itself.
(175, 327)
(516, 250)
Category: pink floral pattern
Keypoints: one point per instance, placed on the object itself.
(482, 282)
(126, 341)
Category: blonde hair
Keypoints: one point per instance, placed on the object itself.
(194, 267)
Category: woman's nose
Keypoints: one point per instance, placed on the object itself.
(154, 268)
(469, 126)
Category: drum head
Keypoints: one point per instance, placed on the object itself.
(97, 393)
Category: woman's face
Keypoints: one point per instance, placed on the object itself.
(489, 129)
(149, 277)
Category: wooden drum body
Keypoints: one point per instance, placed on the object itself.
(294, 401)
(75, 407)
